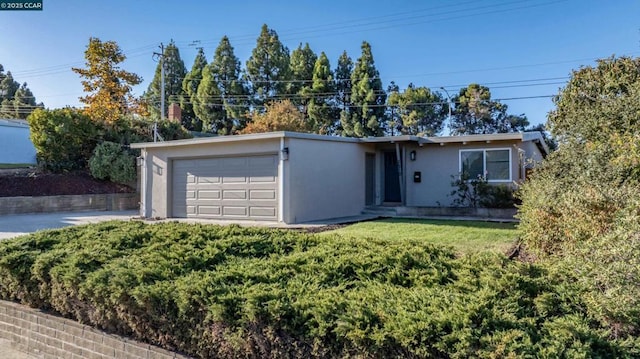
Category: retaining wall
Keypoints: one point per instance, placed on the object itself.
(71, 203)
(50, 337)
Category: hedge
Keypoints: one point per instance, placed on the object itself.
(231, 292)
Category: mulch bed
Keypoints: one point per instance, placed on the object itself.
(34, 183)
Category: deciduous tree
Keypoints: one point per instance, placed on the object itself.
(108, 87)
(278, 116)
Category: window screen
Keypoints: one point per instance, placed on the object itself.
(497, 164)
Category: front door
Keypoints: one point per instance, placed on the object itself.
(391, 180)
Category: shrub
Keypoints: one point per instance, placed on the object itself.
(63, 138)
(477, 192)
(231, 292)
(113, 162)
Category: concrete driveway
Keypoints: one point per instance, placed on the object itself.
(19, 224)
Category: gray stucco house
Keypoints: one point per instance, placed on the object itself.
(293, 177)
(15, 142)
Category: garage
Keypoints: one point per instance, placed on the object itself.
(241, 187)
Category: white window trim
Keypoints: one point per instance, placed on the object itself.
(484, 162)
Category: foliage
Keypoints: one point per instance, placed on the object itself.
(343, 72)
(476, 113)
(108, 87)
(16, 101)
(301, 64)
(110, 161)
(477, 192)
(367, 114)
(580, 208)
(189, 91)
(322, 114)
(174, 74)
(222, 98)
(267, 70)
(421, 111)
(279, 116)
(63, 138)
(230, 292)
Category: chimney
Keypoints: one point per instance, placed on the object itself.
(175, 113)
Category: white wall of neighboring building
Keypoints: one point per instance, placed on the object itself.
(15, 144)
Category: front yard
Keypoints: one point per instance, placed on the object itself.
(464, 236)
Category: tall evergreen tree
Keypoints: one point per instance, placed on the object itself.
(174, 74)
(8, 86)
(342, 100)
(420, 111)
(190, 90)
(477, 113)
(322, 113)
(15, 101)
(24, 102)
(367, 115)
(222, 99)
(302, 63)
(267, 70)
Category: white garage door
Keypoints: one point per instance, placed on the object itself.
(226, 188)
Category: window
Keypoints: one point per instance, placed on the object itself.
(493, 164)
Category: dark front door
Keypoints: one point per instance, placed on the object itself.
(391, 180)
(370, 179)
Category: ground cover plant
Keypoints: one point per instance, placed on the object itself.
(231, 292)
(464, 236)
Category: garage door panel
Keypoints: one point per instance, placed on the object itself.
(262, 211)
(234, 194)
(233, 187)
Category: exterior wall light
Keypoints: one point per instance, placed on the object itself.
(284, 153)
(412, 155)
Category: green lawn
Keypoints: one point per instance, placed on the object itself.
(464, 236)
(15, 165)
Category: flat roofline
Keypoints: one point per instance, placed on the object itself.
(521, 136)
(240, 138)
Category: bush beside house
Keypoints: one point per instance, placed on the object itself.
(229, 292)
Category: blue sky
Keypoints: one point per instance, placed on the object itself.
(520, 49)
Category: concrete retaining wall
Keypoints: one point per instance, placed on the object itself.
(47, 336)
(74, 203)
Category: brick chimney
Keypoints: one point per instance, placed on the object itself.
(175, 113)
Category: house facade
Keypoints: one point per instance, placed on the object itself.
(293, 177)
(15, 142)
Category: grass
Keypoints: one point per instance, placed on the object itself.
(15, 165)
(464, 236)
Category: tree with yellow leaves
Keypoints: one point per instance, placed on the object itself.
(108, 86)
(278, 116)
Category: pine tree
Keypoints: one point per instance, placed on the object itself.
(367, 97)
(418, 111)
(24, 102)
(174, 74)
(267, 70)
(190, 90)
(321, 110)
(222, 100)
(108, 86)
(342, 100)
(302, 64)
(8, 87)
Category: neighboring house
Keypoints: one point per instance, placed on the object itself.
(15, 144)
(295, 177)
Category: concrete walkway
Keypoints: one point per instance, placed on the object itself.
(20, 224)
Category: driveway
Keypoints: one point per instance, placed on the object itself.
(19, 224)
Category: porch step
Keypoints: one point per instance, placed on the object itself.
(380, 211)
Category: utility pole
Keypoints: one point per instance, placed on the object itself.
(160, 57)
